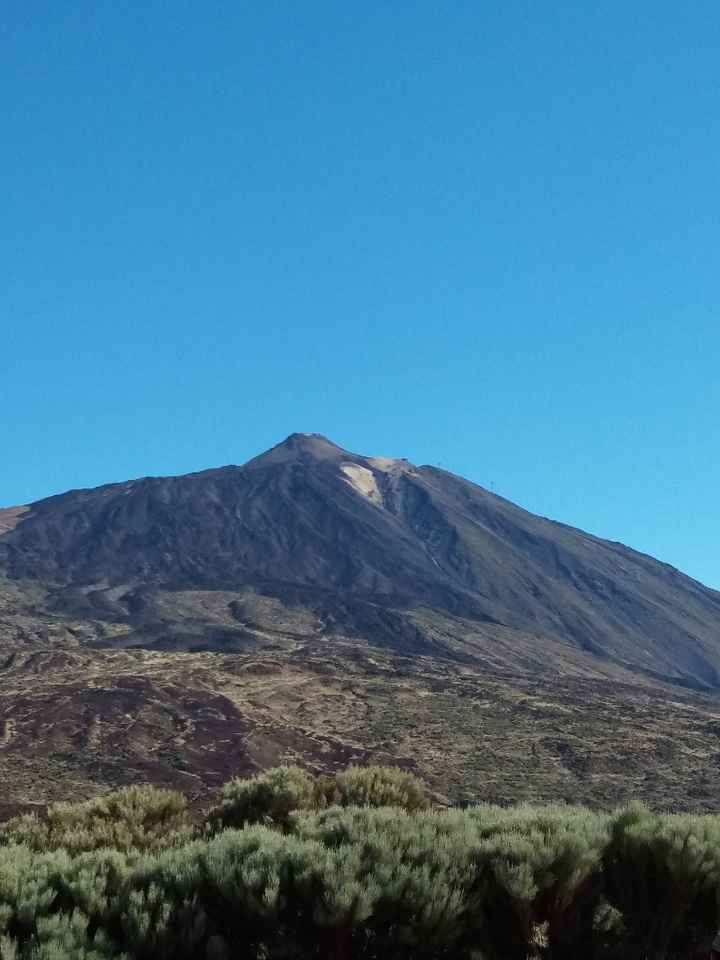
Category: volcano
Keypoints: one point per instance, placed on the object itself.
(309, 539)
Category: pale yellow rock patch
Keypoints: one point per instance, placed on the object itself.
(362, 480)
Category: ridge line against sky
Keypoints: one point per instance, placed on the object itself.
(483, 236)
(490, 487)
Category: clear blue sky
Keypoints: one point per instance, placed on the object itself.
(483, 235)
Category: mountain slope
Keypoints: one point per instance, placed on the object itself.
(75, 721)
(311, 540)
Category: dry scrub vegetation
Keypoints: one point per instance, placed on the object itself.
(355, 865)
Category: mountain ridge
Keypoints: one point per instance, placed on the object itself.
(368, 545)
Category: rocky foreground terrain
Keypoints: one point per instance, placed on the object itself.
(319, 606)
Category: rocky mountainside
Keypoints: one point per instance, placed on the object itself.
(309, 539)
(320, 607)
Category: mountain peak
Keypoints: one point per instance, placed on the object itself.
(303, 447)
(309, 441)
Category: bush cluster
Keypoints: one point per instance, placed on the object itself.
(356, 866)
(273, 797)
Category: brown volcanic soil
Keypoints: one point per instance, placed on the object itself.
(75, 721)
(10, 517)
(510, 717)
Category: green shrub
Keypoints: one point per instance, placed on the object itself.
(544, 877)
(662, 874)
(267, 798)
(327, 792)
(406, 881)
(27, 890)
(319, 870)
(139, 818)
(242, 891)
(65, 937)
(376, 786)
(48, 902)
